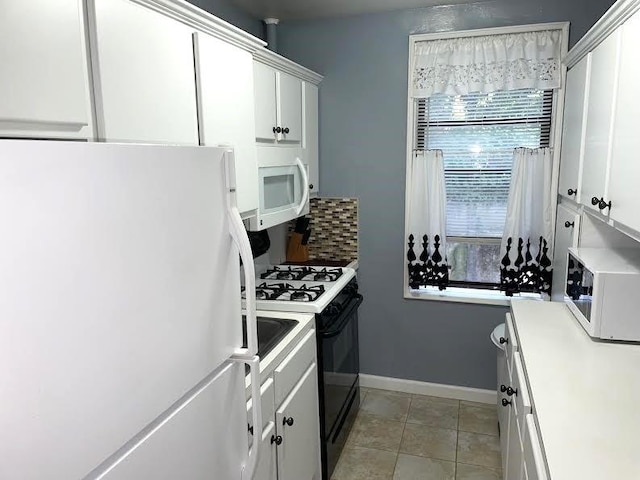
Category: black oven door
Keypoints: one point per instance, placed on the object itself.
(340, 364)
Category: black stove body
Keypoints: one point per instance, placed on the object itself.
(338, 373)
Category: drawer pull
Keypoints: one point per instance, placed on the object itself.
(504, 340)
(568, 224)
(276, 439)
(506, 402)
(511, 391)
(287, 421)
(572, 191)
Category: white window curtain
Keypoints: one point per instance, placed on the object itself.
(485, 64)
(427, 241)
(527, 238)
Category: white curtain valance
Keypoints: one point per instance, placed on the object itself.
(459, 66)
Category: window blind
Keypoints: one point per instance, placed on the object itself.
(477, 134)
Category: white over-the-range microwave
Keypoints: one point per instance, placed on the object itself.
(603, 291)
(283, 186)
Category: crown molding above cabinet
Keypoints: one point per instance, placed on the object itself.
(612, 19)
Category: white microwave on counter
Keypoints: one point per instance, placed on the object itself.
(283, 186)
(603, 291)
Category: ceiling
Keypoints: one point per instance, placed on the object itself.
(310, 9)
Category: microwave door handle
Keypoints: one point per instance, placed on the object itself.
(305, 187)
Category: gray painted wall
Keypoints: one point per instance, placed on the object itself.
(229, 12)
(362, 146)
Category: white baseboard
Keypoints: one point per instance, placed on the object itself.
(426, 388)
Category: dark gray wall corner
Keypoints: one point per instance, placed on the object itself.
(363, 100)
(233, 14)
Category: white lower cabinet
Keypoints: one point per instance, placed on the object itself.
(290, 448)
(297, 422)
(522, 457)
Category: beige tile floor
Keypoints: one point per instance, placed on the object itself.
(399, 436)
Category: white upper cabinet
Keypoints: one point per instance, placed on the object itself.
(144, 72)
(310, 136)
(278, 105)
(289, 107)
(224, 76)
(575, 108)
(567, 232)
(43, 70)
(625, 167)
(265, 102)
(599, 123)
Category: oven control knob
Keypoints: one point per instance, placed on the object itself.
(333, 309)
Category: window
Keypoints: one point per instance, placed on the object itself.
(477, 134)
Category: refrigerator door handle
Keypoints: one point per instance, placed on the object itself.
(246, 355)
(241, 239)
(305, 187)
(250, 465)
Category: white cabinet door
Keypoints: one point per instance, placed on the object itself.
(43, 73)
(567, 233)
(575, 105)
(514, 450)
(143, 64)
(267, 468)
(224, 76)
(597, 149)
(625, 167)
(289, 107)
(534, 463)
(310, 136)
(297, 422)
(265, 102)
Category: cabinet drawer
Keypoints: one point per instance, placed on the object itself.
(521, 399)
(534, 462)
(268, 404)
(287, 374)
(511, 342)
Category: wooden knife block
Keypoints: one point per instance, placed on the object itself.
(296, 252)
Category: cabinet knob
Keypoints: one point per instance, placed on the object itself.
(506, 402)
(602, 204)
(511, 391)
(503, 388)
(571, 191)
(504, 340)
(595, 201)
(311, 186)
(277, 439)
(569, 224)
(287, 421)
(285, 130)
(279, 130)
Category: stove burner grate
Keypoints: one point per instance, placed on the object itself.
(318, 274)
(286, 291)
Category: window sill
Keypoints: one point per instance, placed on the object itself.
(466, 295)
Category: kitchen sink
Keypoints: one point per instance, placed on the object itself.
(270, 332)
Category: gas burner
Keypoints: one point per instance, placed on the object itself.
(317, 274)
(286, 292)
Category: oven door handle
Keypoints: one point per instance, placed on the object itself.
(344, 317)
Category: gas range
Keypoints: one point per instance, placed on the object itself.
(292, 288)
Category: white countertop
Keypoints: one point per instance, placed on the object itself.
(306, 321)
(585, 394)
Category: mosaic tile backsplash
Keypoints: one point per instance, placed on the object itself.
(334, 229)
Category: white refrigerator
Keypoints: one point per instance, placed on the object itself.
(120, 320)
